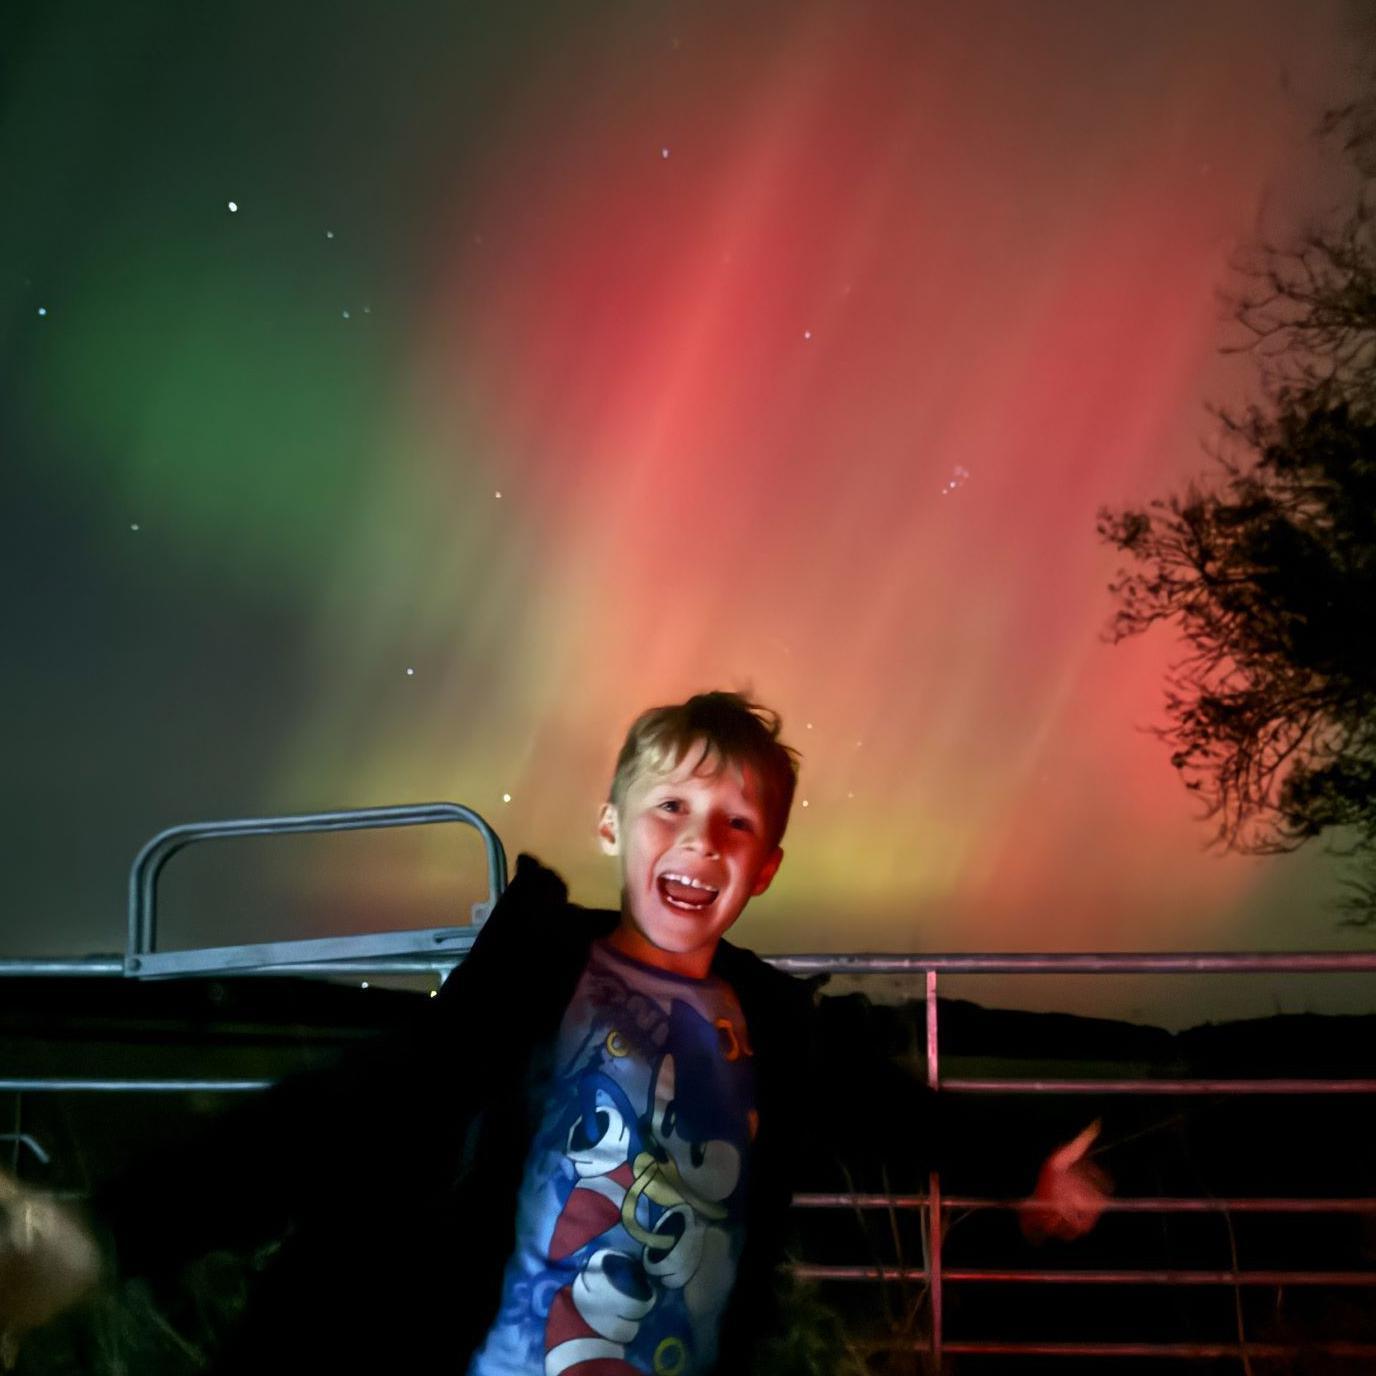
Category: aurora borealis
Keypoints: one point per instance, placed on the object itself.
(559, 360)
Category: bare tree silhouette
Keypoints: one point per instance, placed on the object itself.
(1267, 569)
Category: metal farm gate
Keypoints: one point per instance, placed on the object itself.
(434, 952)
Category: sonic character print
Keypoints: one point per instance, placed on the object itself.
(657, 1185)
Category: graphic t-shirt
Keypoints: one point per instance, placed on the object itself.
(629, 1221)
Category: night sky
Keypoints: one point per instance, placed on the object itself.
(394, 400)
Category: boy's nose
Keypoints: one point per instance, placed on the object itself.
(698, 836)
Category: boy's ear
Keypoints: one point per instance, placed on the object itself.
(609, 830)
(767, 872)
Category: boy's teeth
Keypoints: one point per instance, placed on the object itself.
(676, 889)
(692, 883)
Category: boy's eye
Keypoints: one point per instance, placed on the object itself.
(741, 823)
(670, 805)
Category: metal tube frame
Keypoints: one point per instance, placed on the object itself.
(142, 958)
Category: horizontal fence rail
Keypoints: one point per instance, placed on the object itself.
(103, 967)
(1190, 1351)
(1081, 963)
(1124, 1276)
(1256, 1085)
(1151, 962)
(113, 1084)
(1161, 1205)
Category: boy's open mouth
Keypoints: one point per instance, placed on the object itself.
(683, 891)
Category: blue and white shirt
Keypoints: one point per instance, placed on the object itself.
(629, 1220)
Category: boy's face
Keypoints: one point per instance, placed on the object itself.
(694, 850)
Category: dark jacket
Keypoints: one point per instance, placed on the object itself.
(391, 1178)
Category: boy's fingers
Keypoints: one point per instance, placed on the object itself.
(47, 1262)
(1066, 1156)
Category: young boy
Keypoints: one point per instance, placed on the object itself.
(580, 1161)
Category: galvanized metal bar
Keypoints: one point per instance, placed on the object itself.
(60, 1084)
(1328, 1347)
(1164, 1277)
(105, 967)
(381, 965)
(933, 1272)
(1257, 1086)
(24, 1139)
(1071, 963)
(320, 952)
(148, 864)
(960, 1275)
(1014, 1086)
(933, 1050)
(807, 1270)
(1166, 1204)
(1278, 962)
(24, 967)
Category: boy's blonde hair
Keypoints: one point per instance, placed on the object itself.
(728, 726)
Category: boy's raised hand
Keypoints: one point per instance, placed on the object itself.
(1070, 1195)
(48, 1261)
